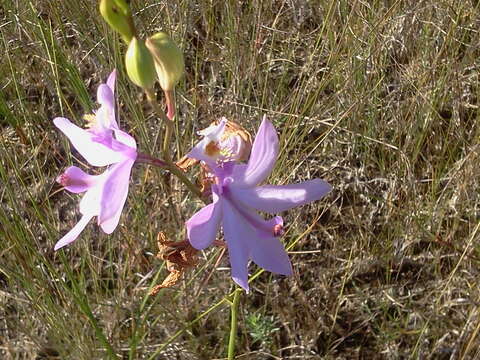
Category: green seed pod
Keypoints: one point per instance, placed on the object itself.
(168, 60)
(117, 14)
(139, 64)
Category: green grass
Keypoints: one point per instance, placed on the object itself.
(380, 98)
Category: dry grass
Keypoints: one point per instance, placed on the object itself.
(380, 98)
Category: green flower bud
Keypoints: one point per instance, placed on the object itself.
(168, 60)
(139, 63)
(117, 14)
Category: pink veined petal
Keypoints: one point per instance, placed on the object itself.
(202, 227)
(95, 153)
(238, 234)
(114, 195)
(73, 234)
(262, 157)
(76, 180)
(277, 198)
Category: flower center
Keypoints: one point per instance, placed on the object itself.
(212, 149)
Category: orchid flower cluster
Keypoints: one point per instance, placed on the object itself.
(233, 170)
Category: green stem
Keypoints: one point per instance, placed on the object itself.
(183, 178)
(233, 324)
(168, 124)
(169, 164)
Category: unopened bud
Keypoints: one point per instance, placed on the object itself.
(118, 15)
(139, 64)
(168, 60)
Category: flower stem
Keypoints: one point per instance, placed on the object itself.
(167, 163)
(233, 324)
(183, 178)
(168, 124)
(147, 159)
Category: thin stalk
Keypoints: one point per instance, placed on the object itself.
(147, 159)
(168, 124)
(168, 163)
(233, 324)
(183, 178)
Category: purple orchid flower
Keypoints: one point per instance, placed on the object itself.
(102, 144)
(236, 197)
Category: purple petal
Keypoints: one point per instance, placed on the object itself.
(105, 97)
(95, 153)
(262, 158)
(114, 195)
(273, 199)
(111, 80)
(203, 226)
(125, 139)
(105, 117)
(237, 233)
(76, 180)
(266, 250)
(73, 233)
(270, 254)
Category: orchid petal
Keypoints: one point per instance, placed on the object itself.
(105, 96)
(125, 139)
(267, 251)
(111, 80)
(90, 203)
(114, 195)
(208, 149)
(73, 234)
(273, 199)
(237, 234)
(76, 180)
(95, 153)
(202, 227)
(262, 158)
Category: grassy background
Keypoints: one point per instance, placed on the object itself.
(380, 98)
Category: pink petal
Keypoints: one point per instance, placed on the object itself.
(114, 195)
(90, 203)
(274, 199)
(76, 180)
(266, 250)
(203, 226)
(237, 234)
(105, 97)
(125, 139)
(111, 80)
(262, 158)
(95, 153)
(73, 233)
(212, 134)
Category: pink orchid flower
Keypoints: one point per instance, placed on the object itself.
(101, 145)
(236, 199)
